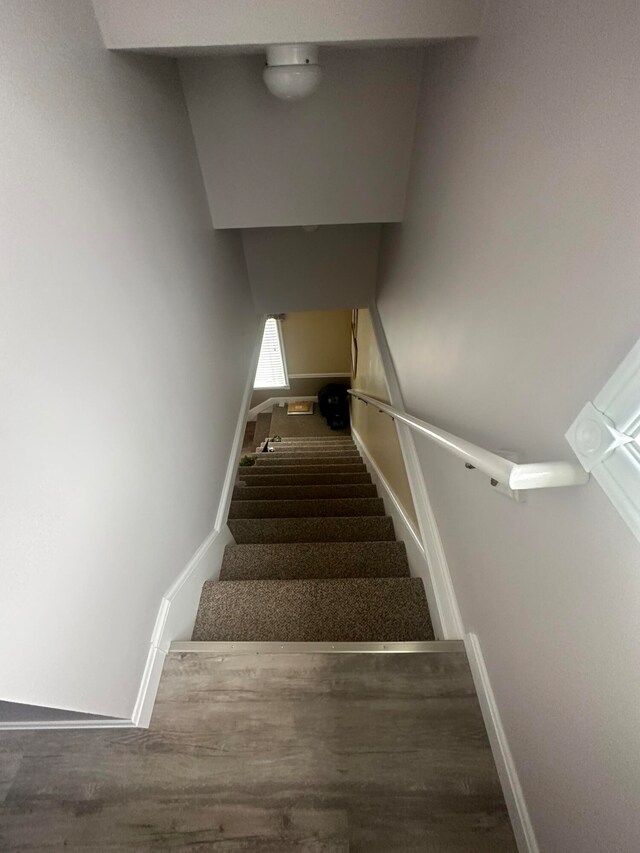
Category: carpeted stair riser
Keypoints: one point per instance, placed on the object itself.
(303, 493)
(277, 450)
(271, 459)
(324, 507)
(310, 454)
(301, 560)
(314, 479)
(313, 444)
(329, 436)
(344, 529)
(286, 451)
(337, 610)
(326, 445)
(263, 470)
(294, 451)
(316, 440)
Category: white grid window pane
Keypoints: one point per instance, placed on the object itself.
(271, 371)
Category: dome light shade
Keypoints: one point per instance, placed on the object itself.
(292, 82)
(292, 70)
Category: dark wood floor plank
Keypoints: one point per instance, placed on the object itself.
(9, 766)
(324, 752)
(172, 823)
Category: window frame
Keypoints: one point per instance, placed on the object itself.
(606, 439)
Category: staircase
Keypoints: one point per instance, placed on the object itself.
(316, 557)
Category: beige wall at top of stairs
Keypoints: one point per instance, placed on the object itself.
(377, 431)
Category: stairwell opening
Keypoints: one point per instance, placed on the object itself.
(316, 555)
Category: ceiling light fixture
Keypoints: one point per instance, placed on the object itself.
(292, 70)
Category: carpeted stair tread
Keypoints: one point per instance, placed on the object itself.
(315, 610)
(310, 508)
(310, 492)
(260, 479)
(326, 435)
(342, 529)
(264, 470)
(263, 428)
(314, 560)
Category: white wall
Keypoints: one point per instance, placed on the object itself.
(127, 332)
(291, 269)
(175, 24)
(339, 156)
(508, 296)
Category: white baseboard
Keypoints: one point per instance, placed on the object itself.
(275, 401)
(38, 725)
(442, 601)
(143, 708)
(511, 788)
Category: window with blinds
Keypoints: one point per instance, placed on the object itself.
(271, 372)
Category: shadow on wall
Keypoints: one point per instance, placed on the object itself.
(20, 714)
(377, 431)
(332, 267)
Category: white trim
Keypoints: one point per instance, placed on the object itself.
(146, 698)
(107, 723)
(253, 413)
(445, 610)
(511, 788)
(301, 648)
(320, 375)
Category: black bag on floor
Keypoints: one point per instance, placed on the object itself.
(333, 402)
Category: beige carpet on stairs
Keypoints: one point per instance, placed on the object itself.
(313, 561)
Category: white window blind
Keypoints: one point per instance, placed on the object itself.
(271, 372)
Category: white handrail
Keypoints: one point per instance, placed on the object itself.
(535, 475)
